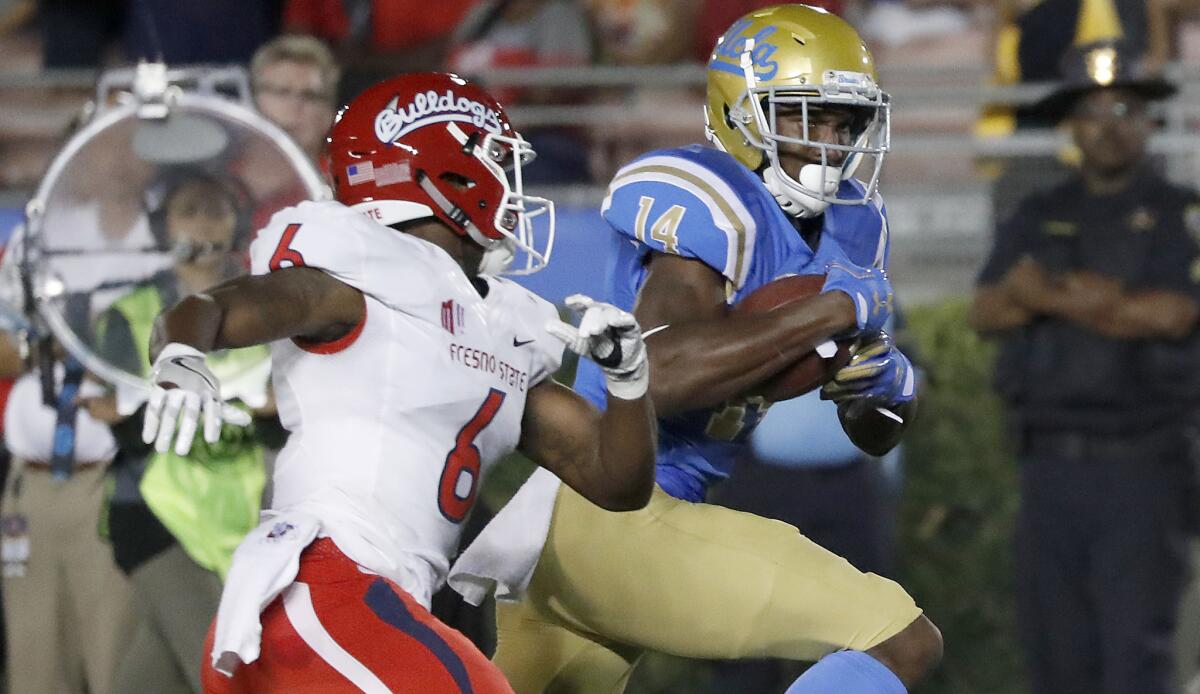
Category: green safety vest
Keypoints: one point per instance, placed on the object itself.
(209, 499)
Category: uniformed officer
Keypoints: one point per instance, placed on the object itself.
(1092, 289)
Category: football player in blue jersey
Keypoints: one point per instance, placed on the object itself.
(794, 111)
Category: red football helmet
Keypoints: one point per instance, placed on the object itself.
(431, 144)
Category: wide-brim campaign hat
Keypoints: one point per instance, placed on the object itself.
(1100, 65)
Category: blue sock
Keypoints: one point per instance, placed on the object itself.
(848, 672)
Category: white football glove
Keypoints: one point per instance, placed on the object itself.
(611, 338)
(185, 390)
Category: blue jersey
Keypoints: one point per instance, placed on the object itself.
(698, 202)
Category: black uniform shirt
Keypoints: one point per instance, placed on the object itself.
(1062, 374)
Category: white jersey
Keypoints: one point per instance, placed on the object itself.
(393, 426)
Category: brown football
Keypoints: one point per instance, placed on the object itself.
(810, 371)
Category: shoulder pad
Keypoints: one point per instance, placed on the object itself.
(529, 314)
(685, 202)
(862, 231)
(396, 269)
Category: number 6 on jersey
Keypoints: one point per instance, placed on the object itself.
(460, 475)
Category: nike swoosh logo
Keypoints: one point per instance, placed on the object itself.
(204, 378)
(520, 343)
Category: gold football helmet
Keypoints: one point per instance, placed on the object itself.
(789, 58)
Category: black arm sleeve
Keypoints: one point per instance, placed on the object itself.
(1175, 255)
(1010, 243)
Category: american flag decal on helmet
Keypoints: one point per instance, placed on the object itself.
(360, 173)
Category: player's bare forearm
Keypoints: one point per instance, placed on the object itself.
(707, 356)
(252, 310)
(705, 363)
(608, 458)
(874, 432)
(628, 446)
(194, 321)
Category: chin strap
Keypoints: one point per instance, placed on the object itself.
(795, 202)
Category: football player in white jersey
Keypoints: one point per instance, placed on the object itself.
(402, 372)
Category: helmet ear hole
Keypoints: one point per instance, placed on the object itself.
(457, 180)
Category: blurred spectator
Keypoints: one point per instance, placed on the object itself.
(521, 33)
(646, 32)
(12, 365)
(199, 31)
(376, 25)
(717, 15)
(66, 606)
(175, 521)
(295, 82)
(1187, 647)
(890, 23)
(77, 33)
(379, 38)
(328, 20)
(1093, 288)
(1031, 38)
(530, 33)
(404, 25)
(95, 232)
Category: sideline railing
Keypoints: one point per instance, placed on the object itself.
(941, 223)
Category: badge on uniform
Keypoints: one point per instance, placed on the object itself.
(1055, 227)
(14, 544)
(1142, 220)
(1191, 222)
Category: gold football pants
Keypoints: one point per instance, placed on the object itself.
(688, 579)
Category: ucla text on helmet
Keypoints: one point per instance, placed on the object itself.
(728, 53)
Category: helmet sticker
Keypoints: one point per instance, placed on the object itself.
(363, 172)
(389, 174)
(845, 80)
(396, 121)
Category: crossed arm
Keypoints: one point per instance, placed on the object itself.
(1099, 303)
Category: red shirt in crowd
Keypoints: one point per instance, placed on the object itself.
(395, 24)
